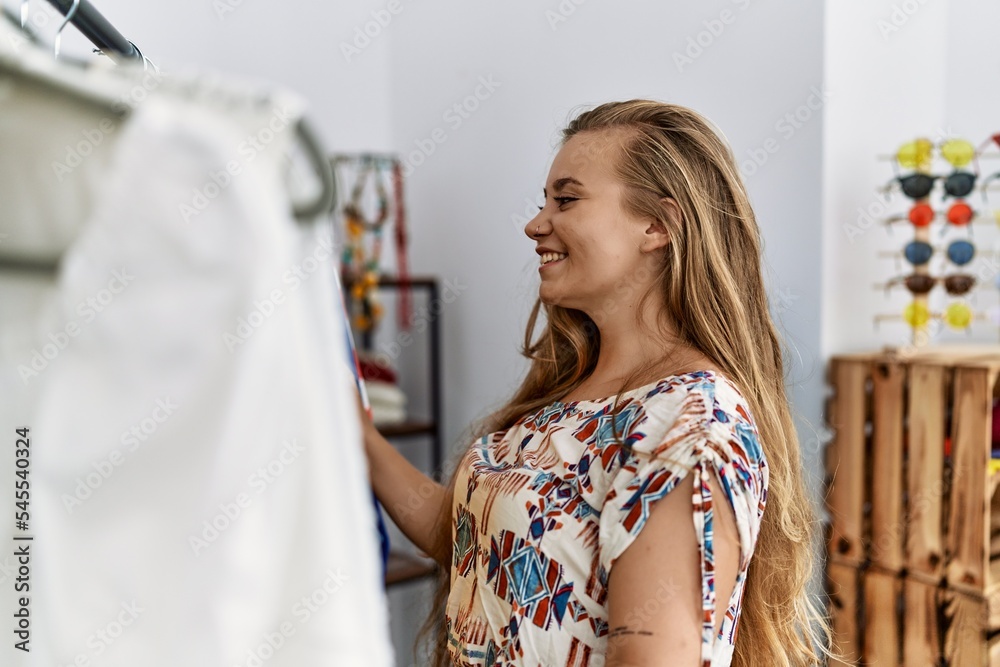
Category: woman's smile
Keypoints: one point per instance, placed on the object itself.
(550, 258)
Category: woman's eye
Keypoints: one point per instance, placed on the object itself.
(561, 200)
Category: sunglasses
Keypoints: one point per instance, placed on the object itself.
(958, 214)
(919, 186)
(919, 253)
(919, 153)
(957, 315)
(918, 284)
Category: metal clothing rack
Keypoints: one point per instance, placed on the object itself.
(92, 25)
(111, 43)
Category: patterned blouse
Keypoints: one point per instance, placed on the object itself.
(542, 510)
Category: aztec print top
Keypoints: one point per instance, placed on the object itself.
(542, 510)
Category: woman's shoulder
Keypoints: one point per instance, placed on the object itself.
(705, 404)
(705, 400)
(708, 395)
(709, 421)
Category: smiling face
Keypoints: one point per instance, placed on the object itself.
(600, 244)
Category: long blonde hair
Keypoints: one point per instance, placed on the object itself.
(711, 285)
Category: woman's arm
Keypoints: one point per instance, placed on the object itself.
(412, 499)
(654, 588)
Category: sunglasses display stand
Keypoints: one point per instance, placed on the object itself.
(918, 186)
(913, 553)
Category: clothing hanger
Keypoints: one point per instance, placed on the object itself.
(326, 199)
(62, 26)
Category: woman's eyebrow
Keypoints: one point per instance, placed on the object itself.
(560, 183)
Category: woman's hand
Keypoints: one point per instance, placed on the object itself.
(367, 426)
(413, 500)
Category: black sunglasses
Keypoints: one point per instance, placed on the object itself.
(956, 184)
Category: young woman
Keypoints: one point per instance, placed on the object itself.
(639, 500)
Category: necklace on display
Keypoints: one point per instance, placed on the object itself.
(361, 271)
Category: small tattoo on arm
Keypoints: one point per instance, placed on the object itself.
(623, 630)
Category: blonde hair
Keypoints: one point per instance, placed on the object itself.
(710, 284)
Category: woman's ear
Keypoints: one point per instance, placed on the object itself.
(657, 235)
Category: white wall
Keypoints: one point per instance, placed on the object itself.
(972, 101)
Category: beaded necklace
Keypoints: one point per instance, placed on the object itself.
(362, 271)
(405, 302)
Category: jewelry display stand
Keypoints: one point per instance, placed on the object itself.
(363, 281)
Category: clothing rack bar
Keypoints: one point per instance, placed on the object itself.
(92, 24)
(29, 265)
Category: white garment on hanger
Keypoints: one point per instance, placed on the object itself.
(199, 493)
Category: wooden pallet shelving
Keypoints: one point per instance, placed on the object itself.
(913, 541)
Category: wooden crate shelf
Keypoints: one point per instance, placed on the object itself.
(914, 509)
(843, 584)
(887, 619)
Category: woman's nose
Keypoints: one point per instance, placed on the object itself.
(535, 227)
